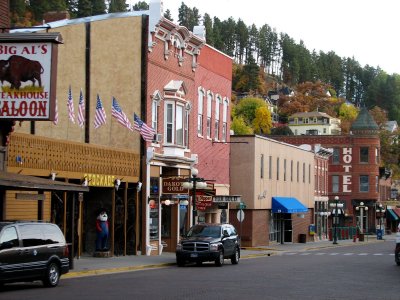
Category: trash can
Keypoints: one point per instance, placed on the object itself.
(361, 237)
(302, 238)
(379, 234)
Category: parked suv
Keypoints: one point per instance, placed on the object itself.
(32, 251)
(397, 248)
(209, 242)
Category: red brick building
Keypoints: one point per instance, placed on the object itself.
(353, 170)
(188, 96)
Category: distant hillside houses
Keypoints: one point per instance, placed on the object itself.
(314, 123)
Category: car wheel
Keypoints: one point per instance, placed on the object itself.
(180, 262)
(220, 260)
(235, 257)
(199, 263)
(398, 263)
(52, 275)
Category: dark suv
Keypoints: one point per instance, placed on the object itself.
(32, 251)
(209, 242)
(397, 247)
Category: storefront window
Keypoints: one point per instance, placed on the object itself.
(153, 226)
(165, 221)
(183, 215)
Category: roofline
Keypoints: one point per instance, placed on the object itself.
(65, 22)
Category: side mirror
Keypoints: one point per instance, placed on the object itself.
(226, 234)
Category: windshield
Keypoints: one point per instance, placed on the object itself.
(2, 224)
(207, 231)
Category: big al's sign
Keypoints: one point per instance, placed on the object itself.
(28, 69)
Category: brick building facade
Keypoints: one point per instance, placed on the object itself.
(188, 95)
(353, 169)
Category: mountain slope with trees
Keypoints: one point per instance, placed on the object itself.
(265, 60)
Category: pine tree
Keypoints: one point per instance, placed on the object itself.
(167, 15)
(141, 5)
(117, 6)
(98, 7)
(84, 8)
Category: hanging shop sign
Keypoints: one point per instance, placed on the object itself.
(226, 199)
(28, 73)
(203, 202)
(173, 185)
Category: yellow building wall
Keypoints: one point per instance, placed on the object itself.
(19, 210)
(115, 71)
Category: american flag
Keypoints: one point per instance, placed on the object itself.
(70, 104)
(146, 131)
(100, 116)
(55, 121)
(117, 113)
(81, 111)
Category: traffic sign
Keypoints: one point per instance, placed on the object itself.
(240, 215)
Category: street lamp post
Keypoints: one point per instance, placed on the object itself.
(193, 183)
(335, 205)
(361, 208)
(381, 210)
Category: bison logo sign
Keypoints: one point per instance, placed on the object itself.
(25, 81)
(19, 69)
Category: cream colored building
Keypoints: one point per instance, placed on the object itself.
(276, 183)
(314, 123)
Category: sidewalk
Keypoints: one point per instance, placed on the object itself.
(88, 265)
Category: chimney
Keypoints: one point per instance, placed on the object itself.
(52, 16)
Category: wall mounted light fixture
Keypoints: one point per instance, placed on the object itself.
(117, 183)
(53, 175)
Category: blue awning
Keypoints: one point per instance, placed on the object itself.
(288, 205)
(392, 215)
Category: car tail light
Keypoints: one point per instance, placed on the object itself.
(66, 251)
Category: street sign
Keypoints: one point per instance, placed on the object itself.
(242, 205)
(240, 215)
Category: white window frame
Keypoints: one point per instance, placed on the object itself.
(167, 138)
(210, 97)
(181, 107)
(218, 101)
(200, 104)
(224, 119)
(154, 113)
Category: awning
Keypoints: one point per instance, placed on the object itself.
(392, 215)
(14, 181)
(396, 211)
(288, 205)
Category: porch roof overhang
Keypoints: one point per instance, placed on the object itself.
(13, 181)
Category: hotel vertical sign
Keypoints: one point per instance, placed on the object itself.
(347, 159)
(28, 72)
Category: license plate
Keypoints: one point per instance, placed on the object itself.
(193, 254)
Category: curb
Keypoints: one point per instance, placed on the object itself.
(113, 270)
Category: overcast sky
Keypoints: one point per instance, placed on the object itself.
(367, 30)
